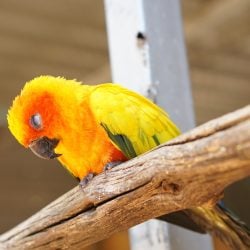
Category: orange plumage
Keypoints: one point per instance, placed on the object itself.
(86, 127)
(66, 115)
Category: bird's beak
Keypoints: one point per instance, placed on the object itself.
(44, 147)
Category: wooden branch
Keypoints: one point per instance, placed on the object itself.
(187, 172)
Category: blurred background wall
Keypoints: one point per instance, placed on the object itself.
(68, 38)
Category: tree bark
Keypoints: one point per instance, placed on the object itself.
(189, 171)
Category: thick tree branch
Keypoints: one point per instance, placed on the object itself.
(190, 171)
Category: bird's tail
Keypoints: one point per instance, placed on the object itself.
(222, 223)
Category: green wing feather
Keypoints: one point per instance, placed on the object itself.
(133, 123)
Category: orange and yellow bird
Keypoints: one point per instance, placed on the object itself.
(93, 128)
(88, 128)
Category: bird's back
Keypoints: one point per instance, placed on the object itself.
(133, 123)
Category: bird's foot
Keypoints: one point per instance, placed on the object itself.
(85, 181)
(111, 165)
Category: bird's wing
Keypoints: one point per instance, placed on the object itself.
(133, 123)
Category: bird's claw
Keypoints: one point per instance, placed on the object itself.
(85, 181)
(111, 165)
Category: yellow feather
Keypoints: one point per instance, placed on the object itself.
(129, 114)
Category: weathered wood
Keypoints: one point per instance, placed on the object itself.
(187, 172)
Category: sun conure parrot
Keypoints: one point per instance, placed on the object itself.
(93, 128)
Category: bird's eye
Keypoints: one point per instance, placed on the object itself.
(36, 121)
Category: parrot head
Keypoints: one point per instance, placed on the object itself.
(36, 119)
